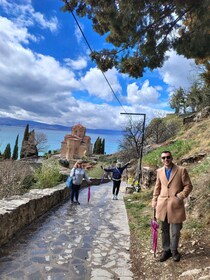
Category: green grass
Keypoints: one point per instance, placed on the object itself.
(193, 224)
(140, 214)
(95, 172)
(178, 149)
(202, 168)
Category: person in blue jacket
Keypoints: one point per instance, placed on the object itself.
(116, 177)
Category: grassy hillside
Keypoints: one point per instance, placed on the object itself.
(191, 139)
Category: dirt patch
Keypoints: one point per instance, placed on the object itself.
(194, 263)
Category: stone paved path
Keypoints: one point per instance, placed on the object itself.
(79, 242)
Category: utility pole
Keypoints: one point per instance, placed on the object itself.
(142, 144)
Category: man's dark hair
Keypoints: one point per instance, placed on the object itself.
(166, 152)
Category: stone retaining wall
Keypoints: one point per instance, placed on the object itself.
(17, 212)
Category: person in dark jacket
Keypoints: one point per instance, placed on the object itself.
(116, 177)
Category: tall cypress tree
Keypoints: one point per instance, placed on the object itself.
(95, 148)
(15, 151)
(26, 133)
(23, 152)
(7, 152)
(103, 147)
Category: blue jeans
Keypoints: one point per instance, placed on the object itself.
(74, 192)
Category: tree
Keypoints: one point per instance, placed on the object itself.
(178, 101)
(160, 129)
(103, 147)
(25, 140)
(7, 152)
(15, 150)
(29, 144)
(142, 31)
(99, 146)
(131, 144)
(41, 141)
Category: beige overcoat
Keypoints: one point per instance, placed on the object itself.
(164, 196)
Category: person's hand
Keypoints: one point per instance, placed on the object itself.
(178, 196)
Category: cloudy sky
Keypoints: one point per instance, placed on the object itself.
(46, 74)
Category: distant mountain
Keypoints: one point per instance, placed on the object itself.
(38, 125)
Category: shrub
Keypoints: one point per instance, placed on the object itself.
(48, 175)
(14, 177)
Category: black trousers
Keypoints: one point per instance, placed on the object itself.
(74, 192)
(116, 187)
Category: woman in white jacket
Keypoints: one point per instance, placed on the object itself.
(78, 173)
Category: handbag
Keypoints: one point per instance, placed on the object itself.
(69, 180)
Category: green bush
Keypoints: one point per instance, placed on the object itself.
(48, 175)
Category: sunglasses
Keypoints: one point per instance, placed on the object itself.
(167, 157)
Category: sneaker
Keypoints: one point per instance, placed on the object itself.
(113, 197)
(78, 202)
(176, 256)
(165, 255)
(116, 197)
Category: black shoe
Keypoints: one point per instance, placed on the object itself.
(176, 256)
(165, 255)
(78, 203)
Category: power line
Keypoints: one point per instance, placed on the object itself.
(91, 52)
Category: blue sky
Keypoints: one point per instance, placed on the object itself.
(46, 74)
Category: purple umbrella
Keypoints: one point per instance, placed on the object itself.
(155, 227)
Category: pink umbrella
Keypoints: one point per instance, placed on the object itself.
(155, 227)
(88, 193)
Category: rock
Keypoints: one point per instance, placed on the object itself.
(191, 272)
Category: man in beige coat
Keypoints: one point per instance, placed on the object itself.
(172, 186)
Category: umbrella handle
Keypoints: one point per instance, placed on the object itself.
(155, 213)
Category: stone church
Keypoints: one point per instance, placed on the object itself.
(76, 145)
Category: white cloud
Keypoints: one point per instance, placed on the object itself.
(77, 64)
(177, 71)
(78, 32)
(96, 84)
(24, 15)
(145, 95)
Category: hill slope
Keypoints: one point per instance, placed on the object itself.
(192, 140)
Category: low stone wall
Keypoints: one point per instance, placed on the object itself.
(17, 212)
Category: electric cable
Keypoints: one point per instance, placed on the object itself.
(91, 52)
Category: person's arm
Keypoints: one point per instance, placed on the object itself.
(107, 169)
(86, 177)
(72, 172)
(124, 166)
(156, 191)
(187, 185)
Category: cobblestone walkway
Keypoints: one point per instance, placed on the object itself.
(79, 242)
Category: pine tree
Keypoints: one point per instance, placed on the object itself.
(15, 151)
(141, 32)
(7, 152)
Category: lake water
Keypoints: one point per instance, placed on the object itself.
(8, 135)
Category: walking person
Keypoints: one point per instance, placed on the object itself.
(116, 177)
(172, 186)
(78, 173)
